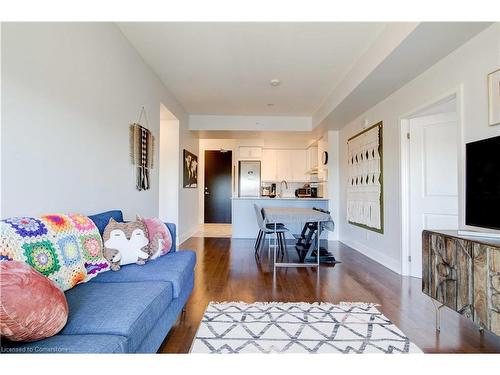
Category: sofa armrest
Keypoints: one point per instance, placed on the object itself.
(173, 232)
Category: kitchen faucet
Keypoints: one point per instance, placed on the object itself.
(281, 187)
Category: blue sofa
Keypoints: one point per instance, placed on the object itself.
(129, 311)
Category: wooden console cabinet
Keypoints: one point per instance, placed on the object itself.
(463, 273)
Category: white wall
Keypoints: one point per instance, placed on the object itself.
(464, 70)
(332, 185)
(1, 122)
(169, 171)
(69, 93)
(188, 198)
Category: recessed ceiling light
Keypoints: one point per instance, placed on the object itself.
(275, 82)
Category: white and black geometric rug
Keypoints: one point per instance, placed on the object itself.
(262, 327)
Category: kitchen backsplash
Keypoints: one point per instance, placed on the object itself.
(292, 186)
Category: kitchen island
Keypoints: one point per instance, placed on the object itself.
(243, 213)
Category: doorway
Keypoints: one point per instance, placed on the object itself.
(218, 186)
(431, 168)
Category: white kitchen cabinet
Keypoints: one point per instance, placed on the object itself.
(299, 166)
(284, 164)
(269, 165)
(312, 158)
(247, 152)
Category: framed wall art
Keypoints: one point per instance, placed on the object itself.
(494, 97)
(365, 187)
(190, 170)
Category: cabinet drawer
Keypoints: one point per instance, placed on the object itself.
(246, 152)
(443, 276)
(464, 278)
(487, 287)
(447, 271)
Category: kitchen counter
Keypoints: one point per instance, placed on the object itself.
(280, 198)
(245, 221)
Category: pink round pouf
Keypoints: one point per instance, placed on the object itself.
(32, 307)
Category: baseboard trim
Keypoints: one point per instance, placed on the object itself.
(187, 234)
(374, 255)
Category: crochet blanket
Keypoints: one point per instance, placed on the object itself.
(66, 248)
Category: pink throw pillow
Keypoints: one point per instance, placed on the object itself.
(160, 240)
(32, 306)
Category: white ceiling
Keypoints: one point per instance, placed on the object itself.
(225, 68)
(423, 47)
(330, 72)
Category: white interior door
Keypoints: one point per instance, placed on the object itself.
(433, 179)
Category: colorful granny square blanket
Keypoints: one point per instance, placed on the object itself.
(65, 248)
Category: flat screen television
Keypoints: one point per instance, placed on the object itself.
(482, 184)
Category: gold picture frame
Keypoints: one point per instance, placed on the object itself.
(494, 98)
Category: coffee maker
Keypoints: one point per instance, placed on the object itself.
(272, 192)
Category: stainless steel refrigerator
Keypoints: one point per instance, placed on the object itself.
(249, 178)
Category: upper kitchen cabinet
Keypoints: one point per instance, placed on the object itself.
(269, 166)
(248, 152)
(284, 164)
(312, 157)
(312, 161)
(299, 166)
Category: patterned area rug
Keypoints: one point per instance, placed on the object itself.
(237, 327)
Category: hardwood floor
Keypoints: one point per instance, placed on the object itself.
(227, 270)
(214, 230)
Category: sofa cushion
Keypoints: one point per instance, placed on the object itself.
(160, 238)
(69, 344)
(175, 267)
(102, 219)
(125, 243)
(50, 244)
(123, 309)
(173, 233)
(32, 307)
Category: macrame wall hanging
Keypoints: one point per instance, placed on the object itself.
(365, 189)
(142, 151)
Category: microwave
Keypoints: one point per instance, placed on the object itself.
(303, 192)
(306, 192)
